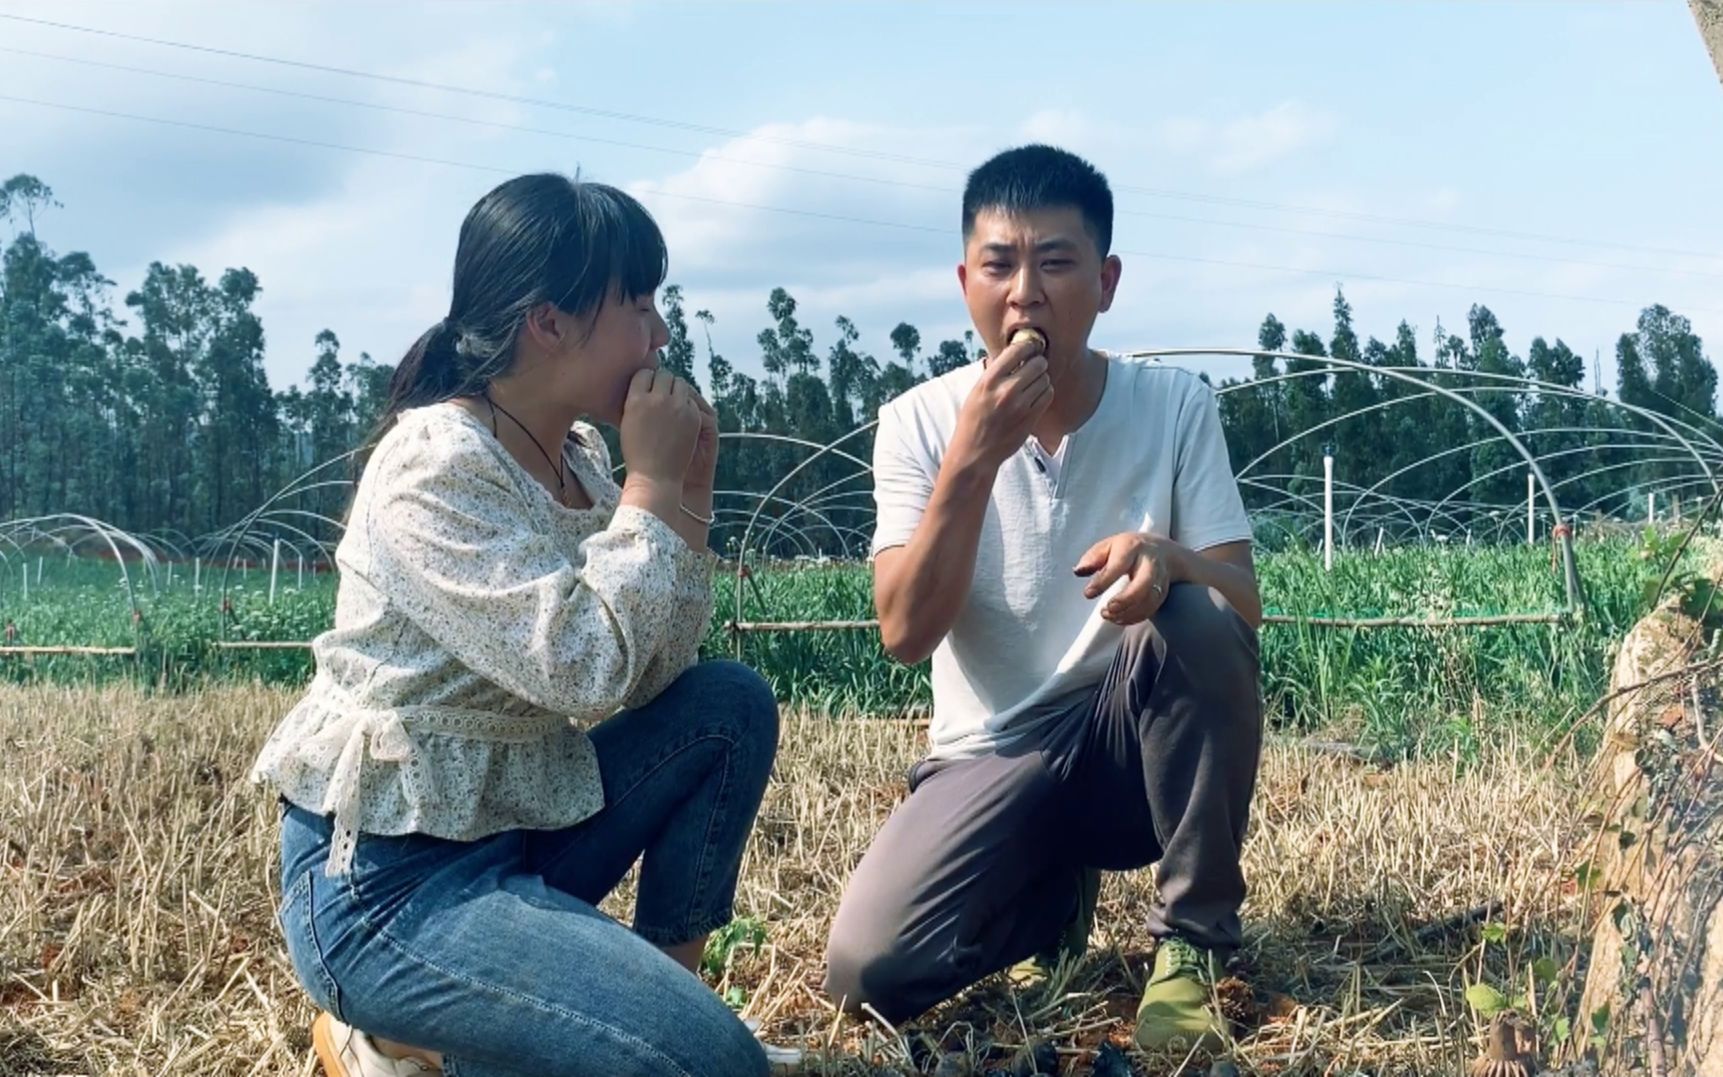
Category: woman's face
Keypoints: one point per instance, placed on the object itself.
(620, 339)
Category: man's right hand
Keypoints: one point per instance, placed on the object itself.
(1000, 412)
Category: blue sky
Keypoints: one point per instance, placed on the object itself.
(1556, 161)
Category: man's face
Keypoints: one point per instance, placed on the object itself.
(1039, 269)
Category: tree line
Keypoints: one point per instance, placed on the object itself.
(155, 413)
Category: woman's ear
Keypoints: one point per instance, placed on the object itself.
(547, 327)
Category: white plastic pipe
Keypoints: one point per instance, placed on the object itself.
(1327, 512)
(1531, 510)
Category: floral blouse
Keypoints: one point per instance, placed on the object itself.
(480, 628)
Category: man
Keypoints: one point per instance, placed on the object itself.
(1062, 532)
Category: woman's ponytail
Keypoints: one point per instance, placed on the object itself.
(428, 373)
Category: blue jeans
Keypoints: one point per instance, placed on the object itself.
(491, 951)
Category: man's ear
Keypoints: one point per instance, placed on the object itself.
(963, 278)
(1110, 270)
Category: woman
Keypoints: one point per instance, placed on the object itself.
(507, 712)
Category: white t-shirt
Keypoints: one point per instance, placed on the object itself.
(1151, 458)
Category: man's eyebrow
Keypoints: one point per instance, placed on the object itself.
(1056, 243)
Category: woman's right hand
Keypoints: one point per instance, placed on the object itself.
(660, 425)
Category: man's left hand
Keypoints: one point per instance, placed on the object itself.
(1151, 564)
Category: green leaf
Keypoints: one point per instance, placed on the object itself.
(1600, 1019)
(743, 931)
(1496, 933)
(1545, 970)
(1486, 1000)
(735, 998)
(1563, 1029)
(1586, 875)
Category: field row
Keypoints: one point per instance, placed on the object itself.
(1399, 689)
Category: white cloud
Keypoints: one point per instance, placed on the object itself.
(358, 243)
(1082, 133)
(708, 209)
(1253, 141)
(1243, 144)
(1443, 200)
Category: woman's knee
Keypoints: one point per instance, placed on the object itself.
(727, 1045)
(743, 696)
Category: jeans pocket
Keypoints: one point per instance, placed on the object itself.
(304, 950)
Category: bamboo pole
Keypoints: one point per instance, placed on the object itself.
(68, 650)
(262, 645)
(747, 627)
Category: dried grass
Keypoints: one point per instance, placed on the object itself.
(137, 895)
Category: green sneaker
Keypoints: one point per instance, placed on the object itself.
(1073, 941)
(1178, 1004)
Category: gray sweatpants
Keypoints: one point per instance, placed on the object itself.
(977, 869)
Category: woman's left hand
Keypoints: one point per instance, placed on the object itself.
(703, 466)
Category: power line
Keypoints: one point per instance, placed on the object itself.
(814, 214)
(826, 147)
(493, 95)
(421, 159)
(827, 174)
(473, 121)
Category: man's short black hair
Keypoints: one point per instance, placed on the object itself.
(1041, 177)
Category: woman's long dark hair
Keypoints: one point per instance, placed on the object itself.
(542, 238)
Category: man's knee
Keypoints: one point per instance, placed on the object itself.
(1200, 626)
(1214, 649)
(863, 968)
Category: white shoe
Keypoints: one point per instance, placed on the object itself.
(347, 1052)
(775, 1054)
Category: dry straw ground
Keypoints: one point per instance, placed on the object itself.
(137, 896)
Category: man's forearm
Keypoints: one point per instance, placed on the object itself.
(922, 592)
(1235, 582)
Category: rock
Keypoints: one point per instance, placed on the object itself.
(1112, 1062)
(954, 1064)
